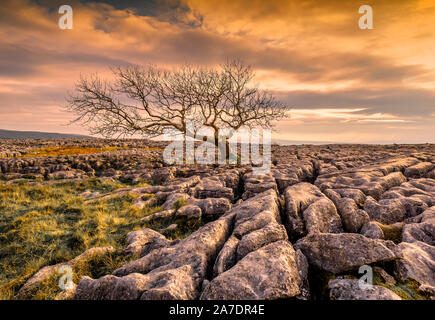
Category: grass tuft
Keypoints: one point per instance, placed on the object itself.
(44, 225)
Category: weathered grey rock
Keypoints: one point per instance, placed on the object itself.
(302, 264)
(352, 217)
(309, 210)
(157, 216)
(172, 199)
(322, 216)
(388, 279)
(418, 263)
(163, 175)
(387, 211)
(227, 256)
(423, 231)
(175, 284)
(255, 184)
(331, 194)
(419, 170)
(355, 194)
(173, 272)
(371, 182)
(342, 252)
(259, 238)
(427, 216)
(349, 289)
(212, 208)
(142, 241)
(212, 187)
(372, 230)
(415, 196)
(257, 223)
(188, 213)
(268, 273)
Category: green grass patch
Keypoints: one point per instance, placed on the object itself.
(407, 290)
(179, 203)
(392, 232)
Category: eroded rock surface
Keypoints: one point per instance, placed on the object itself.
(342, 252)
(330, 208)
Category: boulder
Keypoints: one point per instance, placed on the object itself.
(173, 199)
(387, 211)
(423, 231)
(342, 252)
(212, 208)
(212, 187)
(142, 241)
(372, 230)
(309, 210)
(227, 256)
(417, 262)
(163, 175)
(256, 224)
(259, 238)
(258, 183)
(352, 217)
(268, 273)
(158, 216)
(188, 213)
(419, 170)
(176, 284)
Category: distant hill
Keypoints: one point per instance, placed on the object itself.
(12, 134)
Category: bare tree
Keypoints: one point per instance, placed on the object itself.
(149, 100)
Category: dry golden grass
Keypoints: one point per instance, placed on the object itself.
(43, 225)
(64, 151)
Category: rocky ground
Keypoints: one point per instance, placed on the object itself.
(301, 232)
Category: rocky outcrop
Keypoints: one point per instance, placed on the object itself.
(212, 187)
(336, 204)
(212, 208)
(270, 272)
(419, 170)
(372, 230)
(143, 241)
(308, 210)
(183, 267)
(255, 184)
(352, 217)
(417, 262)
(342, 252)
(256, 224)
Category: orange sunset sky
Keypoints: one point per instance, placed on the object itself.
(344, 84)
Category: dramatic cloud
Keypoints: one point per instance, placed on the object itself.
(344, 84)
